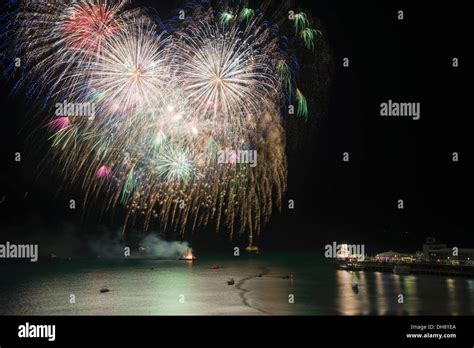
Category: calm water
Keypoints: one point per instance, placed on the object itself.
(155, 287)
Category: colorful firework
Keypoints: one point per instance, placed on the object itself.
(53, 39)
(229, 70)
(131, 71)
(226, 18)
(301, 21)
(246, 14)
(302, 104)
(166, 104)
(309, 36)
(87, 25)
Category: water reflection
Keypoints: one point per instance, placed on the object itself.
(363, 295)
(348, 302)
(452, 295)
(262, 286)
(411, 294)
(380, 293)
(422, 294)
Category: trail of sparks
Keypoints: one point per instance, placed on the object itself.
(166, 103)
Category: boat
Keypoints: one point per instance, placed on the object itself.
(104, 290)
(188, 256)
(231, 281)
(401, 269)
(252, 248)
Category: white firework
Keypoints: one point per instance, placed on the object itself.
(131, 72)
(225, 71)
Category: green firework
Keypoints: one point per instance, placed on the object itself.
(284, 76)
(174, 164)
(226, 18)
(309, 36)
(246, 14)
(128, 186)
(301, 21)
(302, 105)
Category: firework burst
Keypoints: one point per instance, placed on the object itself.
(228, 71)
(131, 71)
(55, 38)
(167, 105)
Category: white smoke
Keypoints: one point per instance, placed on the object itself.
(114, 246)
(157, 247)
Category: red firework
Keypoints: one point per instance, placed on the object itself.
(89, 24)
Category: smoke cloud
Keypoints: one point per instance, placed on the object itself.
(70, 241)
(152, 246)
(157, 247)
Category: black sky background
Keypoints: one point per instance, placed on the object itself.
(390, 158)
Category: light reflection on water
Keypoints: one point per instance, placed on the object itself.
(262, 286)
(422, 294)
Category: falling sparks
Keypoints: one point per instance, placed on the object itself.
(59, 123)
(167, 102)
(301, 21)
(226, 18)
(104, 172)
(309, 36)
(246, 14)
(302, 104)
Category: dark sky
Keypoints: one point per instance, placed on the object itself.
(390, 158)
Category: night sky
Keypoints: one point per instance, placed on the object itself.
(356, 202)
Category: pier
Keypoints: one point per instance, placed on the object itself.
(413, 267)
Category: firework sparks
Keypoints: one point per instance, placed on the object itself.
(309, 36)
(56, 38)
(166, 104)
(131, 70)
(226, 69)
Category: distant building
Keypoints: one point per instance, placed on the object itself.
(463, 254)
(433, 251)
(388, 256)
(431, 247)
(392, 256)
